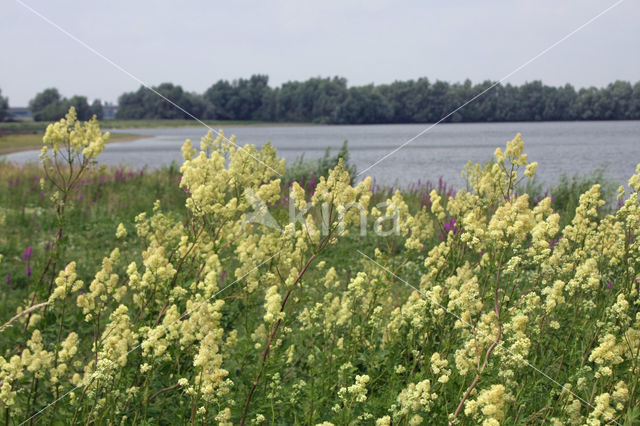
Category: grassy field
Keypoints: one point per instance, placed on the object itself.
(16, 142)
(33, 126)
(171, 297)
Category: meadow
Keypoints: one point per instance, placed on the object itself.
(237, 289)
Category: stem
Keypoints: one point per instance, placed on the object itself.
(272, 335)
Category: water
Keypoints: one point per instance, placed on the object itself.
(559, 147)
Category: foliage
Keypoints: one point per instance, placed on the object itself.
(464, 307)
(310, 171)
(144, 104)
(329, 100)
(565, 194)
(4, 106)
(49, 105)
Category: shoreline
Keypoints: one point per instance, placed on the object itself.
(12, 149)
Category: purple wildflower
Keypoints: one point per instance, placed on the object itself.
(28, 252)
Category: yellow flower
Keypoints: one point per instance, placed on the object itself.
(121, 232)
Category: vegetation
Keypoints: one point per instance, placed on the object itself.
(26, 141)
(213, 305)
(49, 105)
(329, 100)
(39, 126)
(4, 106)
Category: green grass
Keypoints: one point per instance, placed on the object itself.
(35, 126)
(98, 205)
(109, 197)
(26, 141)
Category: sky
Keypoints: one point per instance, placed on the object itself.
(195, 43)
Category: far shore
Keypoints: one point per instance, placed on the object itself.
(18, 142)
(27, 135)
(111, 124)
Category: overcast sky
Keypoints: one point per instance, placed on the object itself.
(195, 43)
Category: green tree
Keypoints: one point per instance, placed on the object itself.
(585, 104)
(146, 104)
(47, 105)
(81, 105)
(402, 98)
(248, 96)
(4, 106)
(634, 103)
(622, 94)
(364, 105)
(217, 98)
(96, 109)
(131, 105)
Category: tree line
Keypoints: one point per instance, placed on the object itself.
(331, 100)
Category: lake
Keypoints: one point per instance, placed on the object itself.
(559, 147)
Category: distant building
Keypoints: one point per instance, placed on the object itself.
(19, 113)
(109, 111)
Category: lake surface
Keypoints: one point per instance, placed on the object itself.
(559, 147)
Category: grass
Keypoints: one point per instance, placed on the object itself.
(116, 195)
(100, 203)
(35, 126)
(20, 141)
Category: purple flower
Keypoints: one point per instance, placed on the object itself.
(28, 271)
(451, 225)
(8, 278)
(28, 252)
(610, 284)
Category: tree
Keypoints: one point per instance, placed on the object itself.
(146, 104)
(634, 103)
(80, 103)
(248, 96)
(364, 105)
(47, 105)
(131, 105)
(217, 98)
(559, 103)
(96, 109)
(4, 106)
(622, 94)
